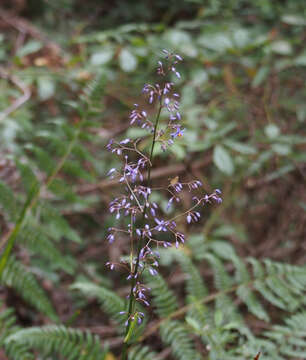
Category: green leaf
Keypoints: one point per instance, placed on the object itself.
(102, 57)
(272, 131)
(241, 147)
(281, 47)
(294, 19)
(223, 160)
(281, 149)
(30, 47)
(46, 88)
(260, 76)
(127, 61)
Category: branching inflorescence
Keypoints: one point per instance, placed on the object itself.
(146, 229)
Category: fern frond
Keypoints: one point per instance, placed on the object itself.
(68, 343)
(195, 286)
(28, 177)
(164, 299)
(55, 224)
(224, 283)
(290, 339)
(276, 283)
(15, 275)
(8, 201)
(177, 336)
(42, 159)
(140, 352)
(242, 276)
(95, 88)
(36, 240)
(8, 327)
(111, 303)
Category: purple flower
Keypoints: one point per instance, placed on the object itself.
(110, 265)
(178, 132)
(109, 145)
(153, 272)
(111, 171)
(111, 238)
(161, 225)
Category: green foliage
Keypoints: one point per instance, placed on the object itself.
(243, 107)
(215, 317)
(141, 353)
(68, 343)
(24, 282)
(8, 201)
(8, 327)
(111, 303)
(164, 298)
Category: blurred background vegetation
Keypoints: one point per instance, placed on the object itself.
(70, 71)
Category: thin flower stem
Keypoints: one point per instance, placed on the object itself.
(133, 280)
(132, 193)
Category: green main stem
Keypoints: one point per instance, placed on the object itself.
(133, 281)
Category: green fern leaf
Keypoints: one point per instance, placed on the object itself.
(177, 336)
(140, 352)
(164, 299)
(72, 344)
(111, 303)
(15, 275)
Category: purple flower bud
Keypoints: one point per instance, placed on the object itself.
(111, 171)
(189, 218)
(111, 238)
(153, 272)
(169, 203)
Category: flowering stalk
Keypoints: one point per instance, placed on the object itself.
(136, 202)
(132, 297)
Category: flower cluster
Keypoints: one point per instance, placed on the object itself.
(147, 227)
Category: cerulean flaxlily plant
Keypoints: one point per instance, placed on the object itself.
(146, 222)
